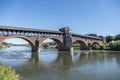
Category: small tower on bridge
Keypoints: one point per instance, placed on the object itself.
(67, 39)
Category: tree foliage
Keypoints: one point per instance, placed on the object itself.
(45, 45)
(117, 37)
(109, 38)
(96, 47)
(115, 45)
(6, 73)
(0, 46)
(105, 47)
(92, 34)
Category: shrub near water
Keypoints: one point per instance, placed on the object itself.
(95, 47)
(115, 45)
(6, 73)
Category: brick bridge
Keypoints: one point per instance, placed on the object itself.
(64, 38)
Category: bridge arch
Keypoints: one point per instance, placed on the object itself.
(95, 43)
(58, 41)
(21, 37)
(83, 45)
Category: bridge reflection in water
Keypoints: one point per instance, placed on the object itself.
(63, 60)
(66, 60)
(35, 66)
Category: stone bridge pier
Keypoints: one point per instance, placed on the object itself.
(36, 47)
(67, 39)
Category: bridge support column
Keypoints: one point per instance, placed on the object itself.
(89, 46)
(67, 44)
(36, 46)
(67, 40)
(35, 56)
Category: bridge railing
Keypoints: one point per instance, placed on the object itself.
(7, 33)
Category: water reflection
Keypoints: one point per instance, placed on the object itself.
(55, 65)
(35, 57)
(31, 68)
(64, 59)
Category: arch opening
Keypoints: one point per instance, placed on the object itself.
(78, 44)
(16, 41)
(95, 46)
(52, 43)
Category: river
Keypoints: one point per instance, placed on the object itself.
(50, 64)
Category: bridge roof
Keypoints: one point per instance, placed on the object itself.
(93, 37)
(28, 29)
(46, 31)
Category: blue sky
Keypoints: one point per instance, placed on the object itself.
(82, 16)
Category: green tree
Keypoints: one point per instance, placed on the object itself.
(117, 37)
(109, 38)
(96, 47)
(0, 45)
(4, 43)
(45, 45)
(115, 45)
(105, 47)
(92, 34)
(6, 73)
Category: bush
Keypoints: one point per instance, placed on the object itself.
(105, 47)
(95, 47)
(45, 46)
(115, 45)
(109, 38)
(6, 73)
(117, 37)
(0, 46)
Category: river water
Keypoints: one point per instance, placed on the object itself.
(51, 64)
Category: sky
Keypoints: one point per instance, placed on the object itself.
(82, 16)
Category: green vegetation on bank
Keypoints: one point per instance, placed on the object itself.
(48, 46)
(6, 73)
(3, 44)
(0, 46)
(96, 47)
(76, 46)
(112, 43)
(115, 45)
